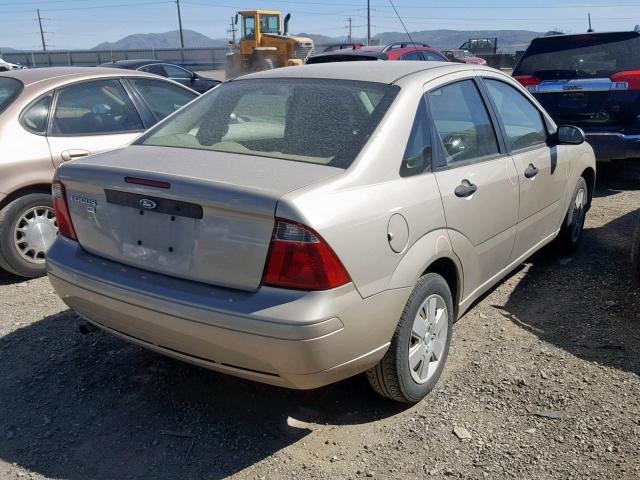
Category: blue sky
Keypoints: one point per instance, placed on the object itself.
(85, 23)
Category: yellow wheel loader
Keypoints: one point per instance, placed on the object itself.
(265, 44)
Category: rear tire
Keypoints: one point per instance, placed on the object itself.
(420, 345)
(570, 234)
(22, 246)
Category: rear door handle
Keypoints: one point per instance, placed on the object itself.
(465, 189)
(74, 153)
(531, 171)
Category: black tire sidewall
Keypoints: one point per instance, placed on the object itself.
(567, 242)
(430, 284)
(9, 257)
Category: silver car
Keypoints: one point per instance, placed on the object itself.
(53, 115)
(302, 225)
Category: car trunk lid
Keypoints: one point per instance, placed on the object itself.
(200, 215)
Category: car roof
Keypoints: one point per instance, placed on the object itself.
(55, 75)
(132, 63)
(585, 34)
(381, 72)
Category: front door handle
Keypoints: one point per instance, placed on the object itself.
(465, 189)
(531, 171)
(74, 153)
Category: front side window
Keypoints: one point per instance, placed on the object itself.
(156, 69)
(248, 28)
(10, 88)
(462, 122)
(269, 24)
(521, 119)
(94, 108)
(34, 118)
(177, 72)
(307, 120)
(162, 97)
(417, 155)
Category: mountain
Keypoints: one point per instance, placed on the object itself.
(162, 40)
(508, 40)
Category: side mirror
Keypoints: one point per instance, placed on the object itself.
(570, 135)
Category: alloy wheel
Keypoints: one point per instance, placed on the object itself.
(428, 338)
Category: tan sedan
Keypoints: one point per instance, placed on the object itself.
(302, 225)
(52, 115)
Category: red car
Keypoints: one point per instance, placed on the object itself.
(464, 56)
(394, 51)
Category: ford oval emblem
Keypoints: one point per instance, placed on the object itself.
(148, 204)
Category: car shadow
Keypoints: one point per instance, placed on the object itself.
(78, 406)
(617, 177)
(585, 304)
(7, 278)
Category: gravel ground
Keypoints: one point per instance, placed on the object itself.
(543, 381)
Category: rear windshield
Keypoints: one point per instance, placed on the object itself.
(10, 88)
(581, 56)
(308, 120)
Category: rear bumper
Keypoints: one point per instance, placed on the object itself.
(282, 337)
(614, 145)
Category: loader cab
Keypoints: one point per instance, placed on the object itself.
(254, 24)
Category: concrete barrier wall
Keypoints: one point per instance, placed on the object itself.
(195, 58)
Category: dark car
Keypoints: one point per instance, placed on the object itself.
(592, 81)
(394, 51)
(635, 253)
(168, 70)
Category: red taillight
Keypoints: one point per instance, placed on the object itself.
(629, 80)
(63, 218)
(299, 258)
(528, 80)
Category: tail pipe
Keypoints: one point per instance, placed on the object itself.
(285, 30)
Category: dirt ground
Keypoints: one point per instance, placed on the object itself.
(543, 381)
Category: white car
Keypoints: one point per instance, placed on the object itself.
(5, 66)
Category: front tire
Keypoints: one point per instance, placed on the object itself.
(571, 232)
(27, 229)
(420, 345)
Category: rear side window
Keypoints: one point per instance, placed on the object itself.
(307, 120)
(162, 97)
(34, 118)
(521, 119)
(95, 108)
(581, 56)
(423, 56)
(462, 122)
(417, 155)
(10, 88)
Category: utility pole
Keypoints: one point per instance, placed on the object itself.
(44, 45)
(368, 22)
(180, 24)
(349, 38)
(232, 30)
(590, 29)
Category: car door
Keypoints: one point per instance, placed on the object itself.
(542, 173)
(91, 117)
(477, 181)
(180, 75)
(161, 98)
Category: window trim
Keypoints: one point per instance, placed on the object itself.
(163, 64)
(54, 105)
(31, 104)
(439, 160)
(503, 130)
(429, 167)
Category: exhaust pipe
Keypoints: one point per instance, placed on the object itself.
(285, 31)
(85, 328)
